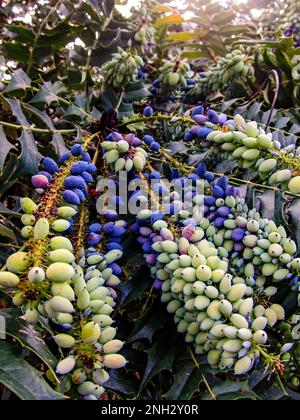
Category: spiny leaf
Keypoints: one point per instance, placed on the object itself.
(21, 378)
(18, 84)
(5, 148)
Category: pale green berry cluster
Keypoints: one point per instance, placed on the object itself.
(122, 69)
(237, 65)
(173, 76)
(256, 150)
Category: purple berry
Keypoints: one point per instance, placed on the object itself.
(200, 119)
(94, 239)
(223, 211)
(47, 175)
(213, 117)
(40, 181)
(219, 221)
(238, 234)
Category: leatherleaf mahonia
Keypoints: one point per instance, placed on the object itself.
(220, 269)
(46, 260)
(90, 337)
(249, 146)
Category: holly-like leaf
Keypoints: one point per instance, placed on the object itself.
(18, 84)
(21, 378)
(5, 148)
(26, 336)
(161, 356)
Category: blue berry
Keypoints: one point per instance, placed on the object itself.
(65, 157)
(94, 239)
(118, 231)
(200, 119)
(72, 182)
(87, 177)
(222, 182)
(209, 201)
(77, 150)
(218, 192)
(148, 112)
(71, 197)
(188, 136)
(117, 270)
(198, 110)
(114, 246)
(155, 147)
(91, 168)
(201, 169)
(95, 228)
(78, 168)
(50, 166)
(223, 211)
(238, 234)
(86, 157)
(108, 228)
(79, 193)
(154, 175)
(148, 140)
(204, 132)
(209, 176)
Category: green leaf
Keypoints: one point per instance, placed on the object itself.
(18, 84)
(161, 356)
(46, 94)
(223, 18)
(186, 383)
(57, 139)
(21, 378)
(181, 36)
(122, 383)
(26, 336)
(148, 324)
(5, 148)
(8, 233)
(30, 157)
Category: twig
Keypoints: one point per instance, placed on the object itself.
(37, 130)
(203, 377)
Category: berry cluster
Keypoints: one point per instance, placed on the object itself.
(236, 65)
(250, 146)
(122, 69)
(219, 272)
(124, 153)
